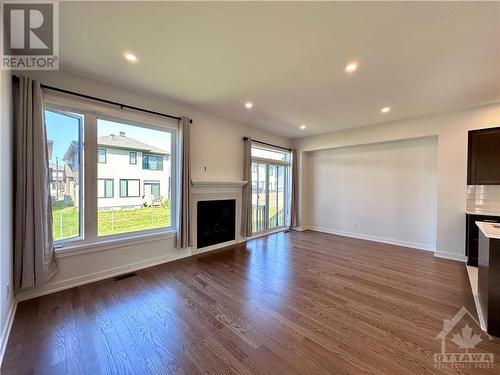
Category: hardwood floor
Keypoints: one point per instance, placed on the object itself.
(308, 303)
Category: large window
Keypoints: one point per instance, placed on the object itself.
(152, 162)
(143, 202)
(65, 155)
(129, 188)
(123, 174)
(270, 188)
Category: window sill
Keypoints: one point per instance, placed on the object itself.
(101, 245)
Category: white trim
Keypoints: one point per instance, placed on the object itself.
(83, 248)
(472, 273)
(390, 241)
(4, 338)
(218, 183)
(451, 256)
(101, 275)
(300, 229)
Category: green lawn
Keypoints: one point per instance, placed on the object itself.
(65, 220)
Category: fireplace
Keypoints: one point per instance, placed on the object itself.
(216, 222)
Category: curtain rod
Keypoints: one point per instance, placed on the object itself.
(269, 144)
(121, 105)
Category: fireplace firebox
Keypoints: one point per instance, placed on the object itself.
(216, 222)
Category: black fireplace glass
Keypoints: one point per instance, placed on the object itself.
(216, 222)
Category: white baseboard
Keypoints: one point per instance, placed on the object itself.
(4, 338)
(101, 275)
(451, 256)
(390, 241)
(300, 229)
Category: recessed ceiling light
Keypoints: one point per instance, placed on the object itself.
(351, 67)
(131, 57)
(302, 127)
(385, 109)
(248, 105)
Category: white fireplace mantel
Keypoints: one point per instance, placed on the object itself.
(203, 190)
(218, 183)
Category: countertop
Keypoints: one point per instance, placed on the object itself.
(490, 230)
(477, 211)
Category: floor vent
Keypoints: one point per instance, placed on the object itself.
(125, 276)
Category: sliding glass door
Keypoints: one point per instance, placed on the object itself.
(276, 192)
(270, 172)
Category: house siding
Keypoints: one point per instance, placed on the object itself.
(118, 167)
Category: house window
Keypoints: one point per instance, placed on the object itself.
(152, 162)
(112, 145)
(65, 152)
(270, 188)
(129, 188)
(152, 189)
(132, 157)
(101, 155)
(105, 188)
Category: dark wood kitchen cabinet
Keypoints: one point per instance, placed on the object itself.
(483, 162)
(472, 236)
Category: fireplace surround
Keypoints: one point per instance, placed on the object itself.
(213, 191)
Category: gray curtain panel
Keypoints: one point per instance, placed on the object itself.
(246, 198)
(294, 191)
(184, 231)
(34, 255)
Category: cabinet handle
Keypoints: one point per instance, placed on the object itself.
(490, 220)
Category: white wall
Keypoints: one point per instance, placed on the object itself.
(6, 197)
(216, 144)
(451, 130)
(383, 191)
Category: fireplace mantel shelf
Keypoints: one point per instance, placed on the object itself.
(218, 183)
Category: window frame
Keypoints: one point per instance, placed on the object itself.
(81, 158)
(112, 188)
(91, 111)
(130, 157)
(105, 155)
(287, 163)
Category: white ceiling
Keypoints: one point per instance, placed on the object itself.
(289, 58)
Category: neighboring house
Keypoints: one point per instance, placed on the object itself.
(71, 174)
(131, 173)
(56, 175)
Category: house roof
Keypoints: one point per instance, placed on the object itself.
(71, 149)
(124, 142)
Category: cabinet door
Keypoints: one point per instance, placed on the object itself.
(484, 157)
(472, 236)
